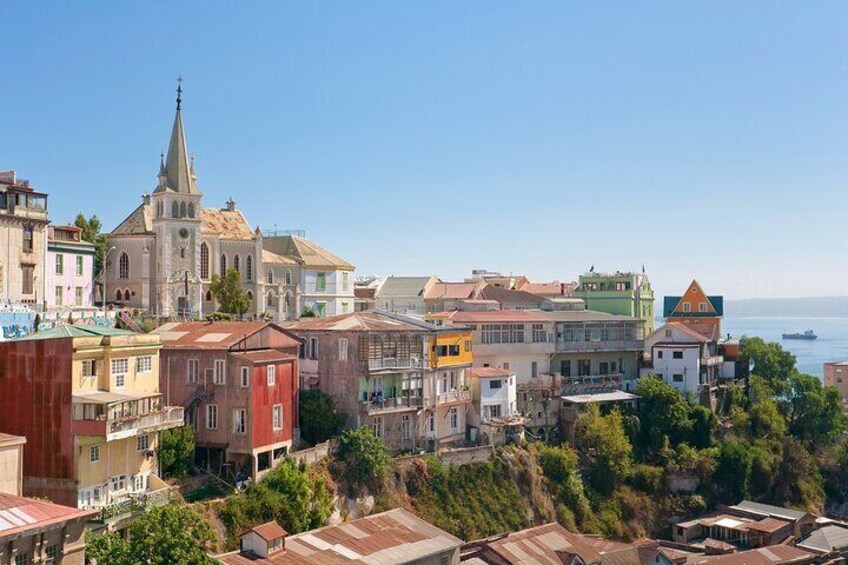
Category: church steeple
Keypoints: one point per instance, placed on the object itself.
(178, 170)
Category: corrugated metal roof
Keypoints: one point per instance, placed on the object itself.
(305, 252)
(264, 355)
(827, 539)
(210, 335)
(371, 321)
(403, 287)
(59, 332)
(769, 510)
(19, 514)
(451, 290)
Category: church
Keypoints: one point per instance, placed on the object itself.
(162, 257)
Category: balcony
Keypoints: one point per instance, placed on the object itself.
(398, 404)
(135, 504)
(454, 396)
(392, 363)
(712, 361)
(122, 428)
(599, 345)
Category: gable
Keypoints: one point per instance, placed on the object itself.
(694, 300)
(139, 222)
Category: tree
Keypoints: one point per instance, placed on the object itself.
(91, 233)
(704, 425)
(176, 447)
(164, 535)
(319, 419)
(605, 442)
(769, 361)
(365, 456)
(733, 470)
(663, 412)
(229, 294)
(814, 412)
(799, 480)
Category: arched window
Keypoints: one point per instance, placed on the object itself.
(191, 209)
(237, 263)
(250, 297)
(288, 304)
(208, 296)
(119, 295)
(248, 267)
(175, 210)
(288, 277)
(223, 265)
(204, 261)
(126, 295)
(270, 277)
(182, 210)
(270, 299)
(124, 266)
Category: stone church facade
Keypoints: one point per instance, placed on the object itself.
(163, 255)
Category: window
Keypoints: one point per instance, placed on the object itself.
(313, 348)
(175, 210)
(321, 309)
(659, 354)
(495, 384)
(288, 278)
(126, 295)
(94, 454)
(277, 417)
(584, 367)
(678, 378)
(603, 368)
(245, 377)
(539, 334)
(503, 333)
(430, 423)
(444, 560)
(534, 369)
(493, 411)
(144, 364)
(237, 263)
(677, 355)
(51, 552)
(204, 261)
(60, 264)
(239, 421)
(208, 296)
(269, 278)
(78, 296)
(120, 367)
(320, 282)
(405, 426)
(454, 419)
(270, 300)
(702, 307)
(249, 267)
(377, 426)
(27, 243)
(467, 345)
(118, 483)
(223, 265)
(211, 416)
(143, 442)
(218, 377)
(345, 307)
(687, 306)
(182, 210)
(124, 266)
(506, 366)
(89, 368)
(345, 280)
(27, 278)
(58, 293)
(193, 370)
(271, 372)
(190, 209)
(22, 558)
(565, 368)
(140, 482)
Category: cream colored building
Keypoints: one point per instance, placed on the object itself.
(11, 464)
(23, 241)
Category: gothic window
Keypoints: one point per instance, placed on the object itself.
(119, 295)
(191, 209)
(287, 305)
(208, 296)
(182, 210)
(223, 265)
(124, 266)
(175, 210)
(204, 261)
(248, 267)
(288, 277)
(127, 295)
(270, 278)
(270, 300)
(250, 297)
(237, 263)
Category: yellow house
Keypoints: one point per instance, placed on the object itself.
(105, 412)
(447, 396)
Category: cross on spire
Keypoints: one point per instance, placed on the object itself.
(179, 91)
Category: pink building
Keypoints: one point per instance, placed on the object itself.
(69, 269)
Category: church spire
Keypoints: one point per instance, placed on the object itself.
(177, 166)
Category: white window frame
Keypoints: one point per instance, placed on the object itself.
(211, 416)
(193, 370)
(80, 265)
(89, 368)
(277, 417)
(144, 364)
(377, 426)
(94, 454)
(143, 443)
(343, 349)
(245, 376)
(220, 372)
(405, 427)
(117, 483)
(454, 419)
(78, 294)
(240, 421)
(120, 368)
(271, 375)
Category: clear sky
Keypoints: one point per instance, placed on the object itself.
(706, 141)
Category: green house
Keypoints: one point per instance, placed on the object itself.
(625, 294)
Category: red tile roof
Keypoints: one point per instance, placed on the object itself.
(19, 514)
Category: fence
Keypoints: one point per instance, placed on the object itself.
(312, 455)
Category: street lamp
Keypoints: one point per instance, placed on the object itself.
(103, 274)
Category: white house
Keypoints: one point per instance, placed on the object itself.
(493, 396)
(684, 358)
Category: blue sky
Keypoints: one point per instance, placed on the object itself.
(704, 140)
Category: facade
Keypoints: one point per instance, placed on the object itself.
(696, 310)
(403, 378)
(238, 383)
(70, 270)
(23, 229)
(445, 296)
(836, 375)
(685, 359)
(396, 536)
(624, 294)
(495, 414)
(403, 295)
(92, 417)
(169, 248)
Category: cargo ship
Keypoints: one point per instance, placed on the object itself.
(808, 335)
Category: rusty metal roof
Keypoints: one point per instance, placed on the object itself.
(19, 514)
(489, 372)
(269, 531)
(359, 322)
(264, 356)
(450, 290)
(306, 252)
(210, 335)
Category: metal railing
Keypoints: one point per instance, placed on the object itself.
(392, 403)
(394, 363)
(134, 504)
(453, 396)
(599, 345)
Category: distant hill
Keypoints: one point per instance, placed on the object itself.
(818, 307)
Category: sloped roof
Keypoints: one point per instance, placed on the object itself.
(494, 316)
(770, 555)
(211, 335)
(178, 170)
(306, 252)
(371, 321)
(451, 290)
(506, 296)
(269, 531)
(19, 514)
(59, 332)
(769, 510)
(826, 539)
(545, 544)
(700, 338)
(489, 372)
(403, 287)
(139, 222)
(228, 224)
(549, 289)
(269, 257)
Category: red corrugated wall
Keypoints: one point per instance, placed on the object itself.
(264, 397)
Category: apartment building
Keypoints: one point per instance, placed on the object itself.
(620, 293)
(70, 269)
(495, 413)
(836, 375)
(403, 378)
(23, 232)
(92, 417)
(238, 383)
(684, 358)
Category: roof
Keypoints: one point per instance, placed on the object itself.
(263, 355)
(387, 538)
(494, 316)
(370, 321)
(600, 397)
(700, 338)
(403, 287)
(489, 372)
(451, 290)
(769, 525)
(227, 224)
(269, 257)
(771, 555)
(139, 222)
(19, 514)
(769, 510)
(553, 288)
(178, 169)
(211, 335)
(585, 316)
(306, 252)
(506, 296)
(104, 397)
(826, 539)
(269, 531)
(59, 332)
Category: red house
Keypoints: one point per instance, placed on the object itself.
(238, 382)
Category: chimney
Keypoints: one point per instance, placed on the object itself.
(231, 205)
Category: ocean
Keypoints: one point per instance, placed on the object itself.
(832, 344)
